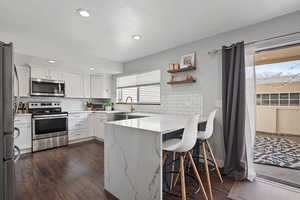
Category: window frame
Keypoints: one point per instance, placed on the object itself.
(280, 99)
(138, 94)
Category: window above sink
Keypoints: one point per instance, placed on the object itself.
(143, 88)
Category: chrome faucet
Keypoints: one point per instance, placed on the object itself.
(131, 105)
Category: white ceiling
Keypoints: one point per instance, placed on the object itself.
(52, 29)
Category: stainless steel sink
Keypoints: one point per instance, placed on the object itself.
(127, 115)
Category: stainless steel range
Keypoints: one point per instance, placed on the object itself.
(49, 125)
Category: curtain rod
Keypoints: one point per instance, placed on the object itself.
(256, 41)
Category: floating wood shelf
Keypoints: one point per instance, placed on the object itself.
(182, 70)
(182, 82)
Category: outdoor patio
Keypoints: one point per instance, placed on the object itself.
(277, 157)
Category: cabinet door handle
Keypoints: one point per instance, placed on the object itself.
(17, 130)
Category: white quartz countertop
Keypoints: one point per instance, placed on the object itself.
(160, 123)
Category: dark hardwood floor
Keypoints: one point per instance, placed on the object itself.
(75, 172)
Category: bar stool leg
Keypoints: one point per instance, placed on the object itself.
(207, 171)
(216, 165)
(165, 155)
(177, 176)
(183, 193)
(173, 168)
(197, 175)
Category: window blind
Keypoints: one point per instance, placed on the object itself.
(149, 94)
(152, 77)
(143, 88)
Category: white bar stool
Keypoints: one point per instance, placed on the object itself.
(183, 146)
(203, 137)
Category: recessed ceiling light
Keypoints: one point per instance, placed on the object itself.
(92, 68)
(136, 37)
(83, 12)
(51, 61)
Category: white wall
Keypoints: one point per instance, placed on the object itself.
(208, 71)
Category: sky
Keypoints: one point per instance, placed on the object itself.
(290, 68)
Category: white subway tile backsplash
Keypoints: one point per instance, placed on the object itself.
(67, 104)
(184, 104)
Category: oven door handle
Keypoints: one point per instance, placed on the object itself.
(50, 116)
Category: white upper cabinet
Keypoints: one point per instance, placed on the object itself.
(96, 86)
(44, 73)
(74, 85)
(77, 85)
(87, 86)
(107, 86)
(39, 72)
(56, 75)
(24, 81)
(101, 86)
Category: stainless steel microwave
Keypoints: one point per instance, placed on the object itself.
(44, 87)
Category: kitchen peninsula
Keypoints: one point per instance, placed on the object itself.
(133, 155)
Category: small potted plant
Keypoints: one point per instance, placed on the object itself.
(108, 106)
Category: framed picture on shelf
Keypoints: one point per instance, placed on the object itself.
(187, 60)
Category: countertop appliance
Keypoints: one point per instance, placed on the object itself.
(49, 125)
(44, 87)
(97, 106)
(8, 108)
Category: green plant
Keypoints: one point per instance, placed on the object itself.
(107, 104)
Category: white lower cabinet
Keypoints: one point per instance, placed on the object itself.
(82, 126)
(85, 126)
(23, 122)
(99, 121)
(78, 126)
(77, 135)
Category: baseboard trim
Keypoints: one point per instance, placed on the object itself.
(81, 140)
(25, 151)
(110, 195)
(99, 139)
(279, 181)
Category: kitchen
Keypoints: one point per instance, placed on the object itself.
(38, 86)
(137, 105)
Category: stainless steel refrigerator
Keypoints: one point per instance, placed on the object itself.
(8, 108)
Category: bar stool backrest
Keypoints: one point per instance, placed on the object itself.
(209, 129)
(189, 136)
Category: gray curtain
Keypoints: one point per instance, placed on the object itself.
(233, 98)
